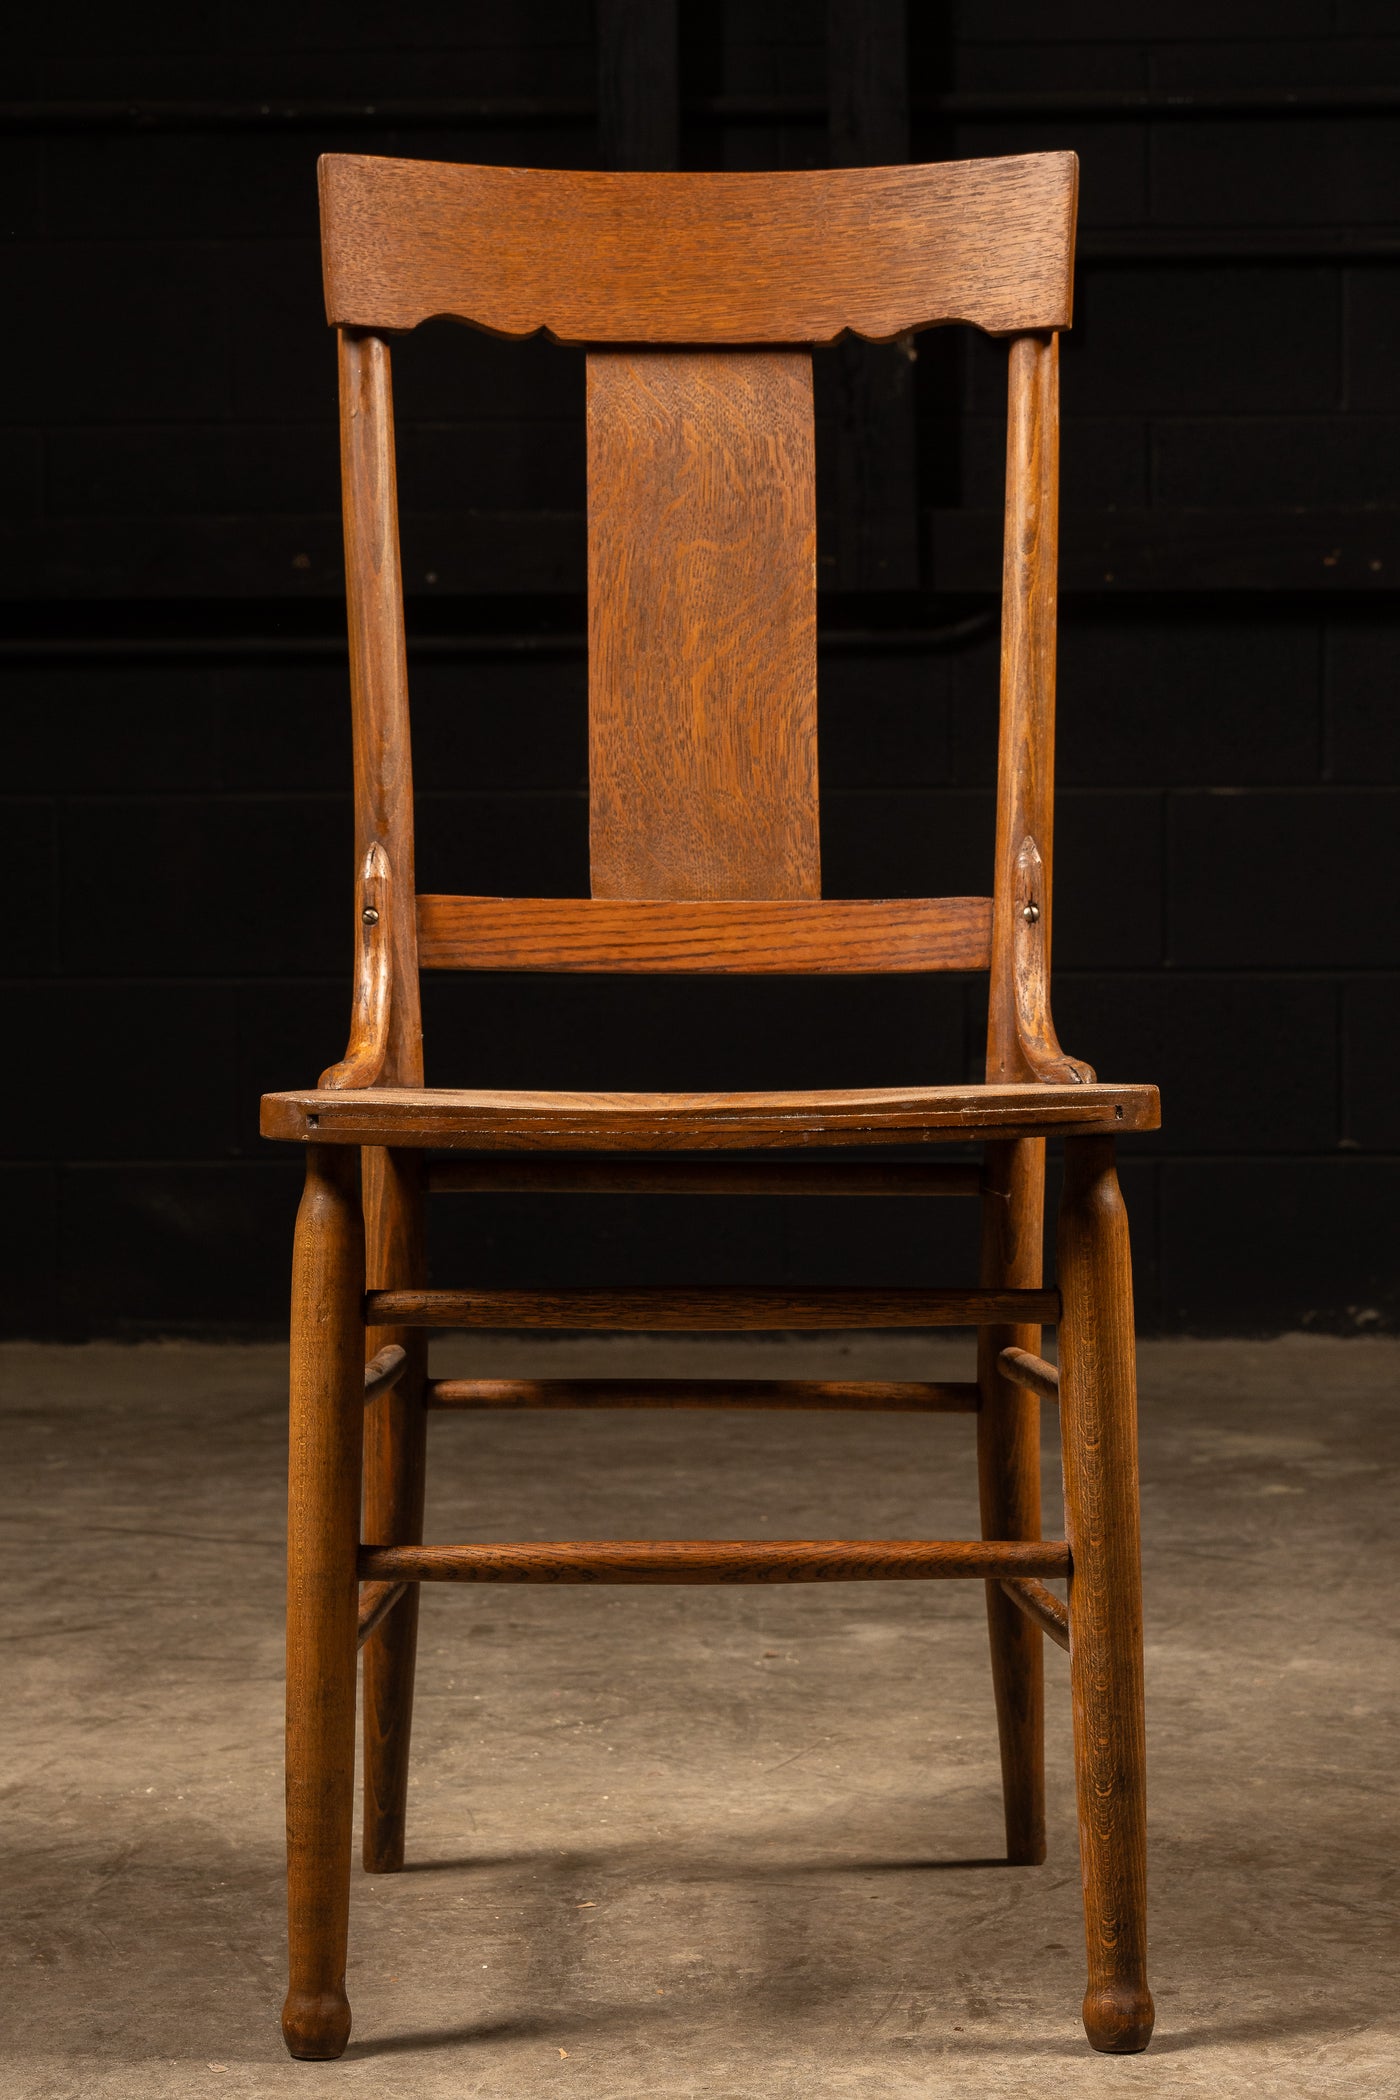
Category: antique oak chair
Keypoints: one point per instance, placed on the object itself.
(699, 297)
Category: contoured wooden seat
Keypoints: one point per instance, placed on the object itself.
(699, 298)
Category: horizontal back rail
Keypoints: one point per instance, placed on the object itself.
(799, 257)
(705, 937)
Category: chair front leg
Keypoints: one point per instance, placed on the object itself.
(323, 1524)
(1098, 1409)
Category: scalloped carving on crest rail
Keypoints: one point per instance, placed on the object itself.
(800, 257)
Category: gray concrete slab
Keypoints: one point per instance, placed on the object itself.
(688, 1842)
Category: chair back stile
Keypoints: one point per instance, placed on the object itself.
(1020, 1040)
(379, 696)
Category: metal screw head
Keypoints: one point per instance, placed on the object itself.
(370, 916)
(1031, 914)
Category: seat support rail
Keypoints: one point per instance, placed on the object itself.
(587, 1175)
(377, 1600)
(860, 1396)
(1048, 1611)
(1031, 1372)
(718, 1560)
(383, 1372)
(664, 1309)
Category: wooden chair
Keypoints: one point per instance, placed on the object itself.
(700, 297)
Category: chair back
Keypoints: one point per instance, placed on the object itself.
(699, 298)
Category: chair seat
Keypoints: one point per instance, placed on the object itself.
(482, 1121)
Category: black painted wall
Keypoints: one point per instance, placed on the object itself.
(176, 801)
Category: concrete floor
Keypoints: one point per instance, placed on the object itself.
(689, 1842)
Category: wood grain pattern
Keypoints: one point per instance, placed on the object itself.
(1030, 1371)
(1008, 1481)
(851, 1396)
(395, 1479)
(481, 1121)
(384, 1370)
(707, 937)
(705, 857)
(379, 682)
(323, 1522)
(1098, 1420)
(702, 636)
(662, 1308)
(1041, 1606)
(1036, 1040)
(1026, 749)
(371, 1005)
(585, 1176)
(393, 1196)
(377, 1600)
(715, 1560)
(700, 258)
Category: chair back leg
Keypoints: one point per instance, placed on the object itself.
(323, 1519)
(1098, 1411)
(395, 1464)
(1008, 1473)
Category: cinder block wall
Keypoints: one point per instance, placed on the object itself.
(176, 801)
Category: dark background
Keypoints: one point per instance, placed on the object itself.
(176, 719)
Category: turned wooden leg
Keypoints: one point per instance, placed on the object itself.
(323, 1525)
(1098, 1410)
(395, 1454)
(1008, 1470)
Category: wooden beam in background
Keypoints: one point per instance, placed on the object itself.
(876, 541)
(638, 84)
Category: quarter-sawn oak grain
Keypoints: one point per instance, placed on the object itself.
(700, 258)
(753, 935)
(702, 624)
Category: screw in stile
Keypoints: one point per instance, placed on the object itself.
(1031, 914)
(370, 916)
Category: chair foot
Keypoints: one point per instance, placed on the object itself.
(1118, 2018)
(316, 2024)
